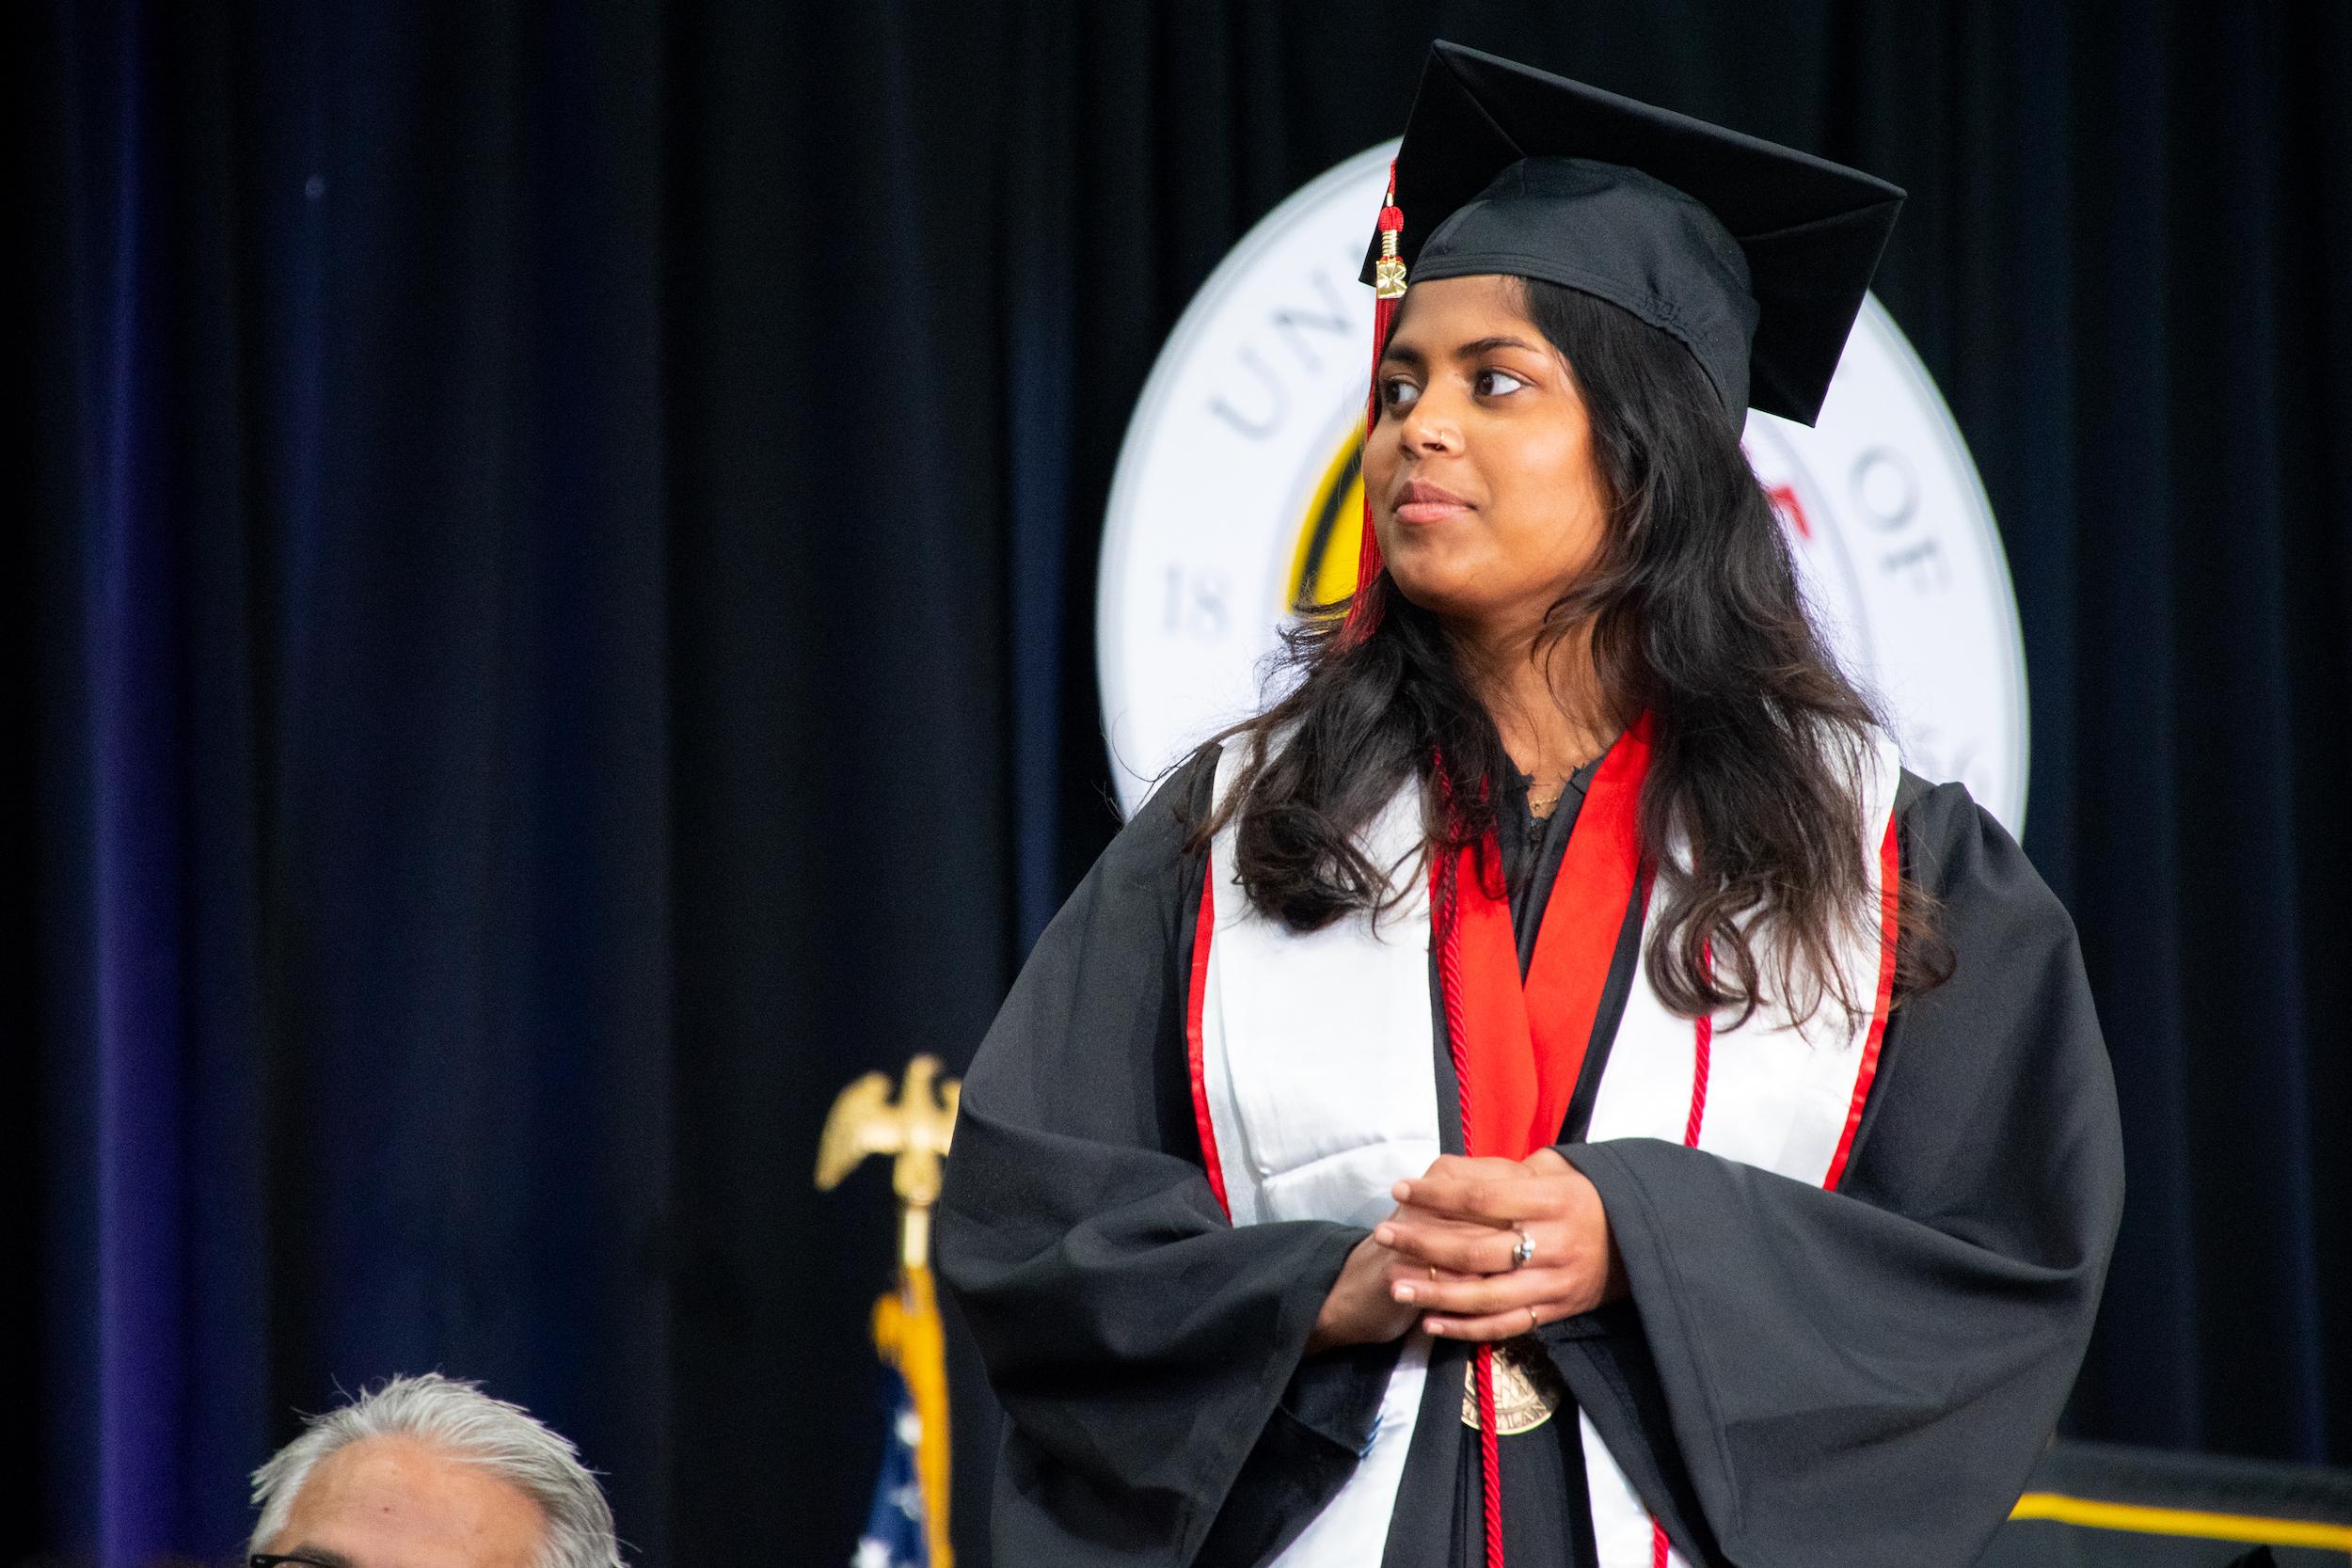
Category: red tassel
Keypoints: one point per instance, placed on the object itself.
(1387, 289)
(1447, 893)
(1702, 1053)
(1489, 1455)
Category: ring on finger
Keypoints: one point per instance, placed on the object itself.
(1525, 1251)
(1533, 1322)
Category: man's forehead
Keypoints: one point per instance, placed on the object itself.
(395, 1502)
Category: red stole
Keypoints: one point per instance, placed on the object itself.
(1522, 1042)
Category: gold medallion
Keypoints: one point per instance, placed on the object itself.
(1527, 1388)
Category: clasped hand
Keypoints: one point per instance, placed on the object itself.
(1444, 1258)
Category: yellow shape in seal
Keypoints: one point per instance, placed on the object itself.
(1322, 562)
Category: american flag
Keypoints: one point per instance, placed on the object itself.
(893, 1526)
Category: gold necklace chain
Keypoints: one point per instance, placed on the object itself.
(1538, 805)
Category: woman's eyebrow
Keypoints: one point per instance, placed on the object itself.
(1404, 354)
(1470, 351)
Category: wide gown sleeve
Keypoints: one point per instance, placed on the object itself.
(1863, 1376)
(1141, 1346)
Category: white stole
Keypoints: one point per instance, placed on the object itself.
(1317, 1084)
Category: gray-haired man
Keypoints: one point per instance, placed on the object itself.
(430, 1470)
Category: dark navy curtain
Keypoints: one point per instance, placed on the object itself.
(549, 625)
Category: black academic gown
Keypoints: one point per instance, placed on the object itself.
(1800, 1378)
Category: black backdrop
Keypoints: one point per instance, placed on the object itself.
(554, 624)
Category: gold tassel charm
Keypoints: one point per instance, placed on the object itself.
(1387, 274)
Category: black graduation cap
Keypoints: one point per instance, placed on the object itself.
(1755, 256)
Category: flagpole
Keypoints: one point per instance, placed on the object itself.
(908, 1334)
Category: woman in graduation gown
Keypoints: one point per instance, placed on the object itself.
(1552, 1089)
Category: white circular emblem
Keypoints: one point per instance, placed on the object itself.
(1236, 497)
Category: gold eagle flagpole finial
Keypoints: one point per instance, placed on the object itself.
(914, 1130)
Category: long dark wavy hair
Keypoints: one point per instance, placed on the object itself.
(1692, 614)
